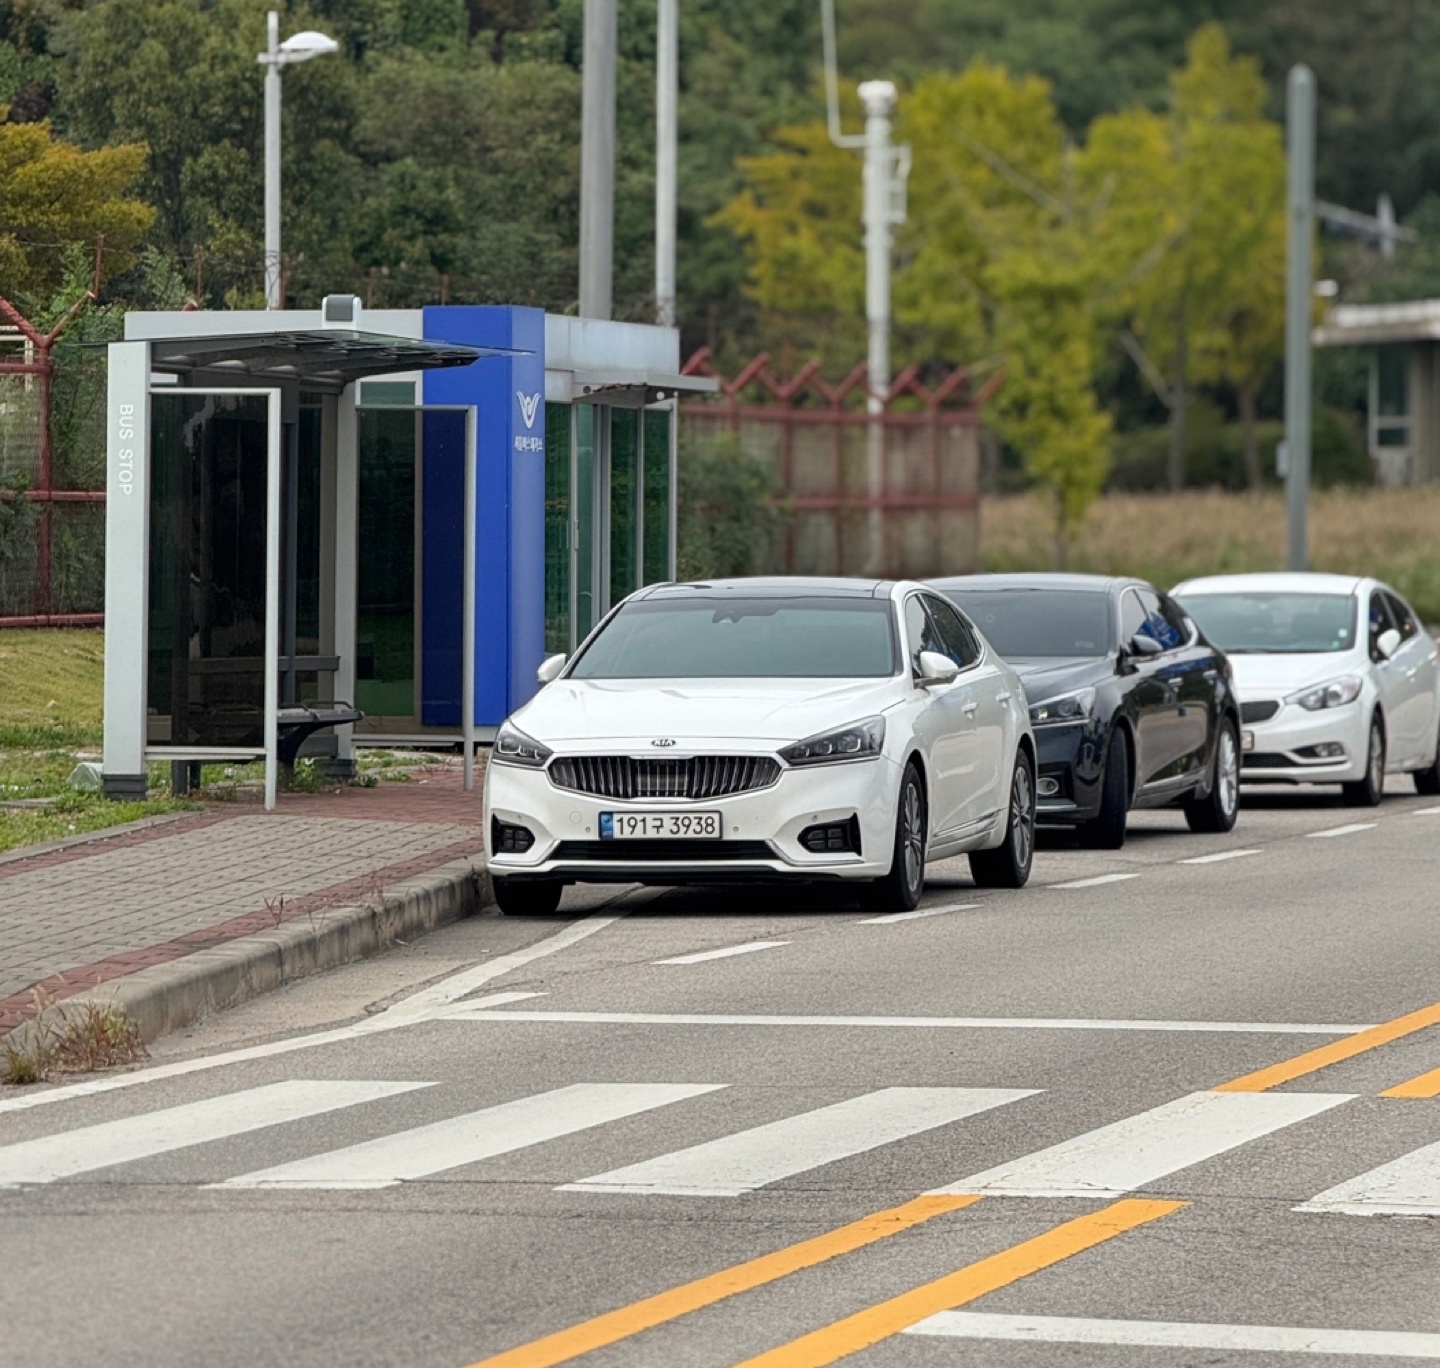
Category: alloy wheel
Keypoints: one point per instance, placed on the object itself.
(912, 837)
(1227, 772)
(1377, 758)
(1022, 814)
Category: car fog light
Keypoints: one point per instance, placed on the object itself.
(509, 839)
(1047, 788)
(833, 837)
(1326, 750)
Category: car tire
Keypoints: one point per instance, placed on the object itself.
(1217, 810)
(528, 898)
(1009, 864)
(1106, 831)
(1427, 780)
(1368, 792)
(900, 889)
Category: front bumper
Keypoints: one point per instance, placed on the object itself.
(761, 829)
(1282, 750)
(1071, 757)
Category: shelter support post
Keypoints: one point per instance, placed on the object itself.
(467, 630)
(345, 603)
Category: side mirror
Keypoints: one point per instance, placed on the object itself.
(1141, 645)
(550, 668)
(1387, 643)
(936, 669)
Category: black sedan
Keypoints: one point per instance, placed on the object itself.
(1132, 707)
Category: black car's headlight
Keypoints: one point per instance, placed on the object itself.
(1335, 694)
(1078, 706)
(859, 741)
(513, 747)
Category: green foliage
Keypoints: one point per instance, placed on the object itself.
(729, 516)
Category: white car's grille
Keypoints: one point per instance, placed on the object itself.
(693, 777)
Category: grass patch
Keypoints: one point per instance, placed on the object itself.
(1388, 533)
(52, 686)
(81, 1039)
(74, 814)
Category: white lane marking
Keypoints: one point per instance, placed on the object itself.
(468, 1012)
(501, 999)
(701, 956)
(52, 1157)
(919, 912)
(1348, 830)
(1218, 856)
(1408, 1186)
(420, 1006)
(467, 1139)
(1128, 1154)
(765, 1154)
(1426, 812)
(1177, 1335)
(1096, 881)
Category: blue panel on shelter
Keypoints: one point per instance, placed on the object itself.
(442, 567)
(509, 395)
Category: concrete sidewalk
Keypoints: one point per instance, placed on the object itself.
(194, 913)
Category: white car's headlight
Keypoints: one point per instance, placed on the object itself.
(513, 747)
(1070, 707)
(859, 741)
(1332, 695)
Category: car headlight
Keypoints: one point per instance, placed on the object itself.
(513, 747)
(1332, 695)
(1070, 707)
(858, 741)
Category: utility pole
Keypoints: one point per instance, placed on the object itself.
(667, 99)
(878, 98)
(1300, 210)
(597, 160)
(272, 159)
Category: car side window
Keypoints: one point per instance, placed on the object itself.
(1176, 620)
(1404, 619)
(1379, 622)
(1132, 616)
(1166, 634)
(958, 641)
(920, 634)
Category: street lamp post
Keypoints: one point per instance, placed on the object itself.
(300, 47)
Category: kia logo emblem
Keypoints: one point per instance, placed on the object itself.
(662, 741)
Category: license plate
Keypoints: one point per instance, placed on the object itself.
(1247, 740)
(660, 826)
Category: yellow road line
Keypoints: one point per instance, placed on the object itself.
(854, 1333)
(679, 1301)
(1427, 1085)
(1276, 1074)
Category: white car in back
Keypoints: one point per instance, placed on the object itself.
(1338, 682)
(766, 729)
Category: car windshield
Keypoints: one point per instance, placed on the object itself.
(1040, 622)
(710, 637)
(1282, 623)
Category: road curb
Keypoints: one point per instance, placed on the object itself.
(167, 997)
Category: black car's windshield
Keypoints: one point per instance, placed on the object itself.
(1040, 622)
(1283, 623)
(710, 637)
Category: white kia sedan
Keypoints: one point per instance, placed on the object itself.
(1338, 683)
(765, 729)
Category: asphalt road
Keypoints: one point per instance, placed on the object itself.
(1077, 1124)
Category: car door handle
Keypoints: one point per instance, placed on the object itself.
(969, 707)
(1002, 697)
(1410, 674)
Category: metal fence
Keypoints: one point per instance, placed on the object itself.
(898, 496)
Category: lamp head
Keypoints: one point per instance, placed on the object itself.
(302, 46)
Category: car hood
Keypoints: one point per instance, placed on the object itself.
(1275, 675)
(691, 712)
(1050, 676)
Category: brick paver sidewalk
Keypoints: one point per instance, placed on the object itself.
(74, 918)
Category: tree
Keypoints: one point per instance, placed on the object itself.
(53, 195)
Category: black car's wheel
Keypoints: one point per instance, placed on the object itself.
(1219, 808)
(528, 898)
(1427, 780)
(1009, 864)
(1368, 792)
(1106, 831)
(900, 889)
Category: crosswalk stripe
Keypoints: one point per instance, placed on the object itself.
(52, 1157)
(1128, 1154)
(477, 1135)
(1178, 1335)
(1407, 1186)
(753, 1158)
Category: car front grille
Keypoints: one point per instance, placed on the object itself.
(1261, 711)
(694, 778)
(609, 852)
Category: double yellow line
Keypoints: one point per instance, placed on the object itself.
(875, 1323)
